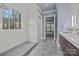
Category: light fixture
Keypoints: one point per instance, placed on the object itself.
(75, 20)
(72, 21)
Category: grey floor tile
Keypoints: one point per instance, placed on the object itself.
(19, 50)
(46, 48)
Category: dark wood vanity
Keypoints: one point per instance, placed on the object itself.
(68, 48)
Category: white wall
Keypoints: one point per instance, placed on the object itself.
(11, 38)
(34, 23)
(64, 16)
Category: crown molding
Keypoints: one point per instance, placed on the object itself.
(48, 11)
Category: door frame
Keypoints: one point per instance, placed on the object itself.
(45, 24)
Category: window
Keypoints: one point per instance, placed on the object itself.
(11, 19)
(52, 27)
(49, 27)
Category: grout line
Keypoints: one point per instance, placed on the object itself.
(30, 50)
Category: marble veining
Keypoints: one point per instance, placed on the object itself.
(46, 48)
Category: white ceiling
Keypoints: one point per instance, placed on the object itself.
(47, 6)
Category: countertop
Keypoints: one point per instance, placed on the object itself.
(72, 38)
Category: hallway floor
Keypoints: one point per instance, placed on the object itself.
(43, 48)
(46, 48)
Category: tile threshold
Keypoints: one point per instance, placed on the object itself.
(27, 53)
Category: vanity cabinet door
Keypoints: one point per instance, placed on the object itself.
(71, 49)
(68, 48)
(63, 46)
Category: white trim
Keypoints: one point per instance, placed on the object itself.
(41, 27)
(45, 25)
(48, 11)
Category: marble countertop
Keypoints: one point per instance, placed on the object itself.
(72, 38)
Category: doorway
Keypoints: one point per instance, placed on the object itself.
(50, 27)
